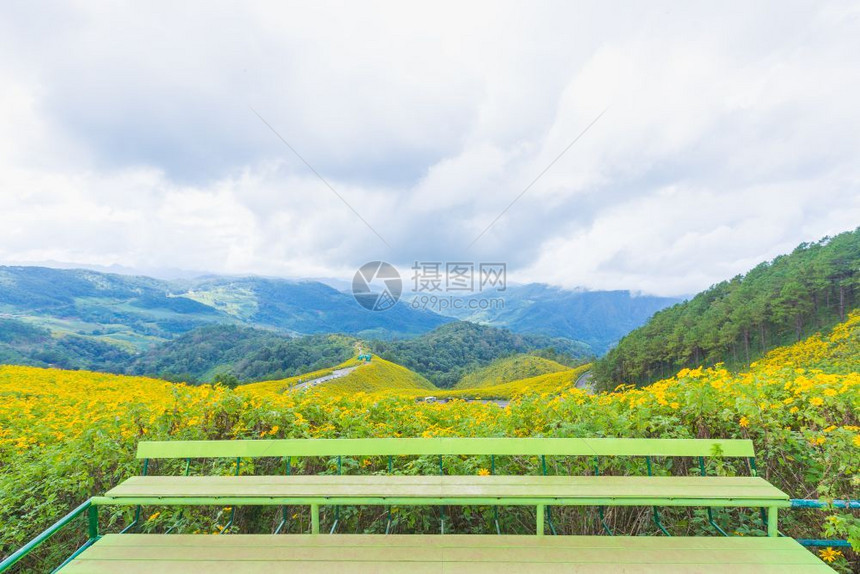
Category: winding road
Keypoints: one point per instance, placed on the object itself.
(336, 374)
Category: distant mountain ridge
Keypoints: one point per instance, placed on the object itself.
(84, 319)
(137, 312)
(598, 318)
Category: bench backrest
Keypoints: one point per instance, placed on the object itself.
(448, 446)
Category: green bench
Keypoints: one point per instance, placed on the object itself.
(330, 554)
(438, 554)
(540, 491)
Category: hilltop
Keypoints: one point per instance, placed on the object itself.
(509, 369)
(734, 322)
(448, 353)
(375, 376)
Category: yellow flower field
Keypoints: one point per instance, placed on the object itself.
(67, 435)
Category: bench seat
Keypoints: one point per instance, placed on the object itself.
(439, 554)
(448, 489)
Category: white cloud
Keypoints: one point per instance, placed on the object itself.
(126, 136)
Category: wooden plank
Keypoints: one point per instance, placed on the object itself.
(382, 567)
(452, 446)
(439, 554)
(417, 480)
(579, 487)
(436, 501)
(451, 554)
(455, 541)
(671, 447)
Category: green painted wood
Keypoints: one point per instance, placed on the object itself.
(454, 554)
(445, 446)
(418, 480)
(438, 501)
(448, 487)
(137, 553)
(422, 540)
(383, 567)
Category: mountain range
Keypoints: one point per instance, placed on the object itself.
(78, 318)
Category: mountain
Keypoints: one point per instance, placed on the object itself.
(306, 307)
(136, 313)
(449, 352)
(598, 318)
(25, 344)
(76, 318)
(243, 353)
(733, 322)
(508, 370)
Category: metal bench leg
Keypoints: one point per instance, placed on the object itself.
(656, 518)
(284, 510)
(548, 510)
(549, 521)
(656, 513)
(336, 508)
(600, 512)
(441, 508)
(388, 523)
(315, 518)
(283, 520)
(772, 529)
(714, 523)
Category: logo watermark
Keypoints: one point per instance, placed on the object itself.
(440, 303)
(377, 286)
(436, 285)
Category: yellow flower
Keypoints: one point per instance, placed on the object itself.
(793, 410)
(483, 472)
(829, 554)
(154, 516)
(744, 422)
(816, 401)
(857, 440)
(275, 429)
(675, 406)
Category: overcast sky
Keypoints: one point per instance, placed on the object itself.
(128, 136)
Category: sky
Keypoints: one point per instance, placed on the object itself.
(654, 146)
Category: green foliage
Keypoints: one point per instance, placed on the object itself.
(378, 375)
(69, 435)
(509, 369)
(245, 353)
(548, 384)
(448, 353)
(24, 344)
(733, 322)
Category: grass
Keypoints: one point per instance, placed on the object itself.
(510, 369)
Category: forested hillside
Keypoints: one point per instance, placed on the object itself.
(735, 321)
(449, 352)
(229, 352)
(510, 369)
